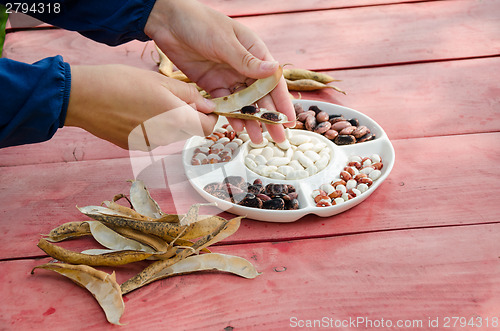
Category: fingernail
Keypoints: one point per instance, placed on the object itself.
(269, 65)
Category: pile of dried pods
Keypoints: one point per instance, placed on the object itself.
(139, 233)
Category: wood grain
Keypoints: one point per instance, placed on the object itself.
(408, 101)
(246, 8)
(397, 275)
(434, 183)
(318, 40)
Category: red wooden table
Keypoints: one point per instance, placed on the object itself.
(423, 251)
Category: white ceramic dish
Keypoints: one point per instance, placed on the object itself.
(201, 175)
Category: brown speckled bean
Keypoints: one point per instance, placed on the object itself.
(310, 123)
(322, 117)
(322, 127)
(347, 130)
(360, 131)
(338, 126)
(331, 134)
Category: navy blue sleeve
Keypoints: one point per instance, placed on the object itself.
(33, 100)
(112, 22)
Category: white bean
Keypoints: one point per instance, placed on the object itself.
(296, 165)
(285, 170)
(322, 163)
(267, 152)
(351, 183)
(297, 154)
(313, 156)
(362, 188)
(255, 151)
(305, 161)
(375, 174)
(298, 139)
(277, 175)
(259, 159)
(278, 161)
(305, 147)
(312, 170)
(238, 141)
(278, 152)
(223, 140)
(355, 158)
(375, 158)
(356, 192)
(328, 188)
(366, 170)
(319, 147)
(250, 164)
(267, 170)
(289, 153)
(232, 145)
(341, 188)
(339, 201)
(345, 196)
(244, 137)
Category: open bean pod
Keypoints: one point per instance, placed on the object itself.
(230, 105)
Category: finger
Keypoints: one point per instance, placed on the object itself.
(254, 131)
(189, 94)
(248, 64)
(283, 103)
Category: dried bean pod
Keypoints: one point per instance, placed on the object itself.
(322, 127)
(345, 140)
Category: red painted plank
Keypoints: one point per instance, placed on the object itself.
(245, 8)
(400, 275)
(435, 181)
(429, 99)
(319, 40)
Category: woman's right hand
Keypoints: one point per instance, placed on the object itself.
(135, 108)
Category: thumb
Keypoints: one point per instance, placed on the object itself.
(189, 94)
(249, 65)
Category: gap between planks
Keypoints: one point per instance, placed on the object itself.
(294, 239)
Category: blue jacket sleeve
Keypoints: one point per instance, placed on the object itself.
(112, 22)
(33, 100)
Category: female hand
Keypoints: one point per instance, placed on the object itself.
(135, 108)
(218, 54)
